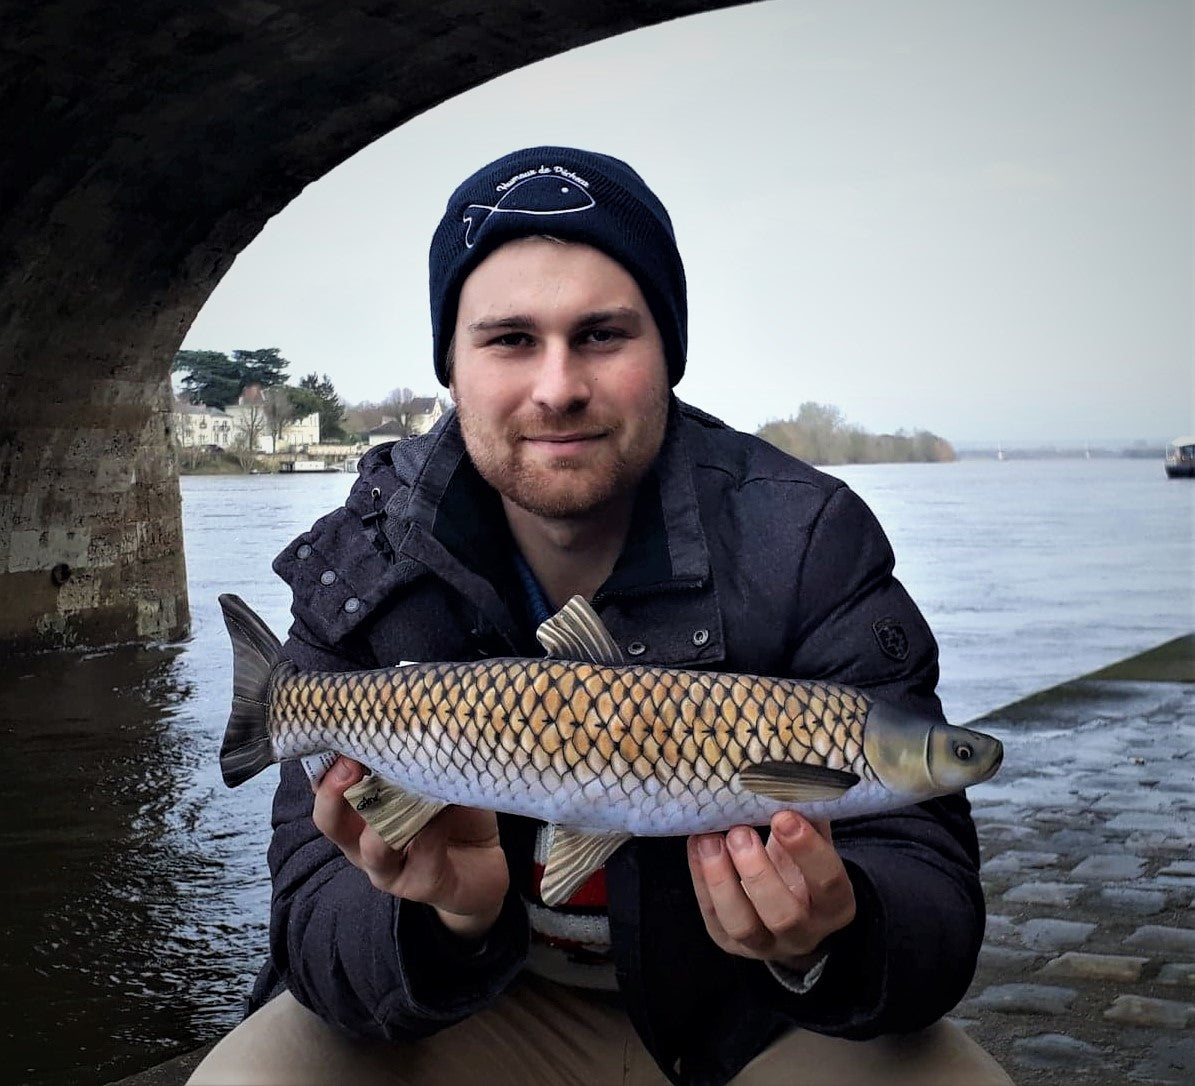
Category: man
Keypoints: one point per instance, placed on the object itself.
(797, 954)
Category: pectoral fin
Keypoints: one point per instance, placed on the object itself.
(572, 858)
(395, 814)
(576, 632)
(796, 782)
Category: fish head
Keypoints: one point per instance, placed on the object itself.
(919, 757)
(959, 758)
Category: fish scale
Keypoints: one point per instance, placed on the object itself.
(527, 728)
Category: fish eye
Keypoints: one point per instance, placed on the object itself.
(963, 751)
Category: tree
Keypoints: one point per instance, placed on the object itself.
(278, 408)
(318, 394)
(262, 367)
(820, 435)
(215, 379)
(251, 428)
(212, 377)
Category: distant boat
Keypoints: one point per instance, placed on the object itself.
(1180, 458)
(999, 451)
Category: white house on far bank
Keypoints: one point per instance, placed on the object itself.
(419, 415)
(196, 425)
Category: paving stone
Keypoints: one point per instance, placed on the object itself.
(1135, 902)
(1143, 821)
(1117, 867)
(1062, 894)
(1172, 882)
(1170, 1061)
(1142, 800)
(1166, 940)
(1014, 860)
(1135, 1010)
(1047, 934)
(1005, 957)
(1026, 999)
(1003, 831)
(1095, 966)
(999, 927)
(1073, 840)
(1177, 973)
(1179, 867)
(1056, 1051)
(998, 813)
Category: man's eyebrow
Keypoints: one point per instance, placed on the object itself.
(520, 322)
(516, 321)
(603, 316)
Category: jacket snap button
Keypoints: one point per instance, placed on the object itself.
(327, 577)
(636, 648)
(700, 637)
(352, 604)
(304, 551)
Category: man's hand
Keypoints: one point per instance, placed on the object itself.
(775, 902)
(455, 863)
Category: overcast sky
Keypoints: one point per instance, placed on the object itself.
(968, 217)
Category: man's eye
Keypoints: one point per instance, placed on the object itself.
(604, 335)
(511, 339)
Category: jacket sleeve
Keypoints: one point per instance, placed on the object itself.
(910, 953)
(359, 958)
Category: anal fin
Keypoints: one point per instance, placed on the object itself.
(796, 782)
(395, 814)
(573, 857)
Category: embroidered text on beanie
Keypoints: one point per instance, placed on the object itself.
(573, 195)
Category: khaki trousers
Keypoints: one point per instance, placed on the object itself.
(544, 1034)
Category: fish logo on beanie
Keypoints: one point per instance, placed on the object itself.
(544, 193)
(573, 195)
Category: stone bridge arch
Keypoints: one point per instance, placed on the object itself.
(144, 146)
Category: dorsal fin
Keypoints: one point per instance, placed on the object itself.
(576, 633)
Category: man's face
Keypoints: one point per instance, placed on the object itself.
(558, 376)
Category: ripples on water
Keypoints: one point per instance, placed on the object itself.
(136, 901)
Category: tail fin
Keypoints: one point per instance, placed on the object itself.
(256, 652)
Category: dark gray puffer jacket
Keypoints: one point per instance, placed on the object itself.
(740, 558)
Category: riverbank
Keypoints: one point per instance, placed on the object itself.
(1088, 839)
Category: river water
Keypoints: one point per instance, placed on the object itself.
(136, 899)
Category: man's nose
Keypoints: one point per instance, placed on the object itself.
(561, 380)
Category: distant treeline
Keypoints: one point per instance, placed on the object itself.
(820, 435)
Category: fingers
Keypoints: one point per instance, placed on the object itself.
(777, 901)
(333, 817)
(733, 878)
(807, 847)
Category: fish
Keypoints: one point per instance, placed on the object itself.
(542, 194)
(598, 749)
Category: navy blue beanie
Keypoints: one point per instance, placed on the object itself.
(572, 195)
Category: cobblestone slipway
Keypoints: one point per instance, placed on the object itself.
(1088, 833)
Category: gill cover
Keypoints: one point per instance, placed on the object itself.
(920, 757)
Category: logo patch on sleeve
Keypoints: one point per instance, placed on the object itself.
(893, 641)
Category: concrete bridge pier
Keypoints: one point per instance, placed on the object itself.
(90, 520)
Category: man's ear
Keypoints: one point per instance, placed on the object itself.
(452, 390)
